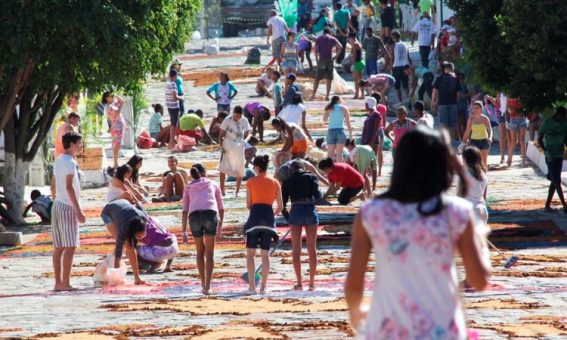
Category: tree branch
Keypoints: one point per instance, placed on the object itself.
(18, 81)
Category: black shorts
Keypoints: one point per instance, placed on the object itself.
(401, 78)
(481, 144)
(262, 238)
(347, 194)
(554, 166)
(203, 222)
(388, 17)
(173, 116)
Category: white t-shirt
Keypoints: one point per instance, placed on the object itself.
(424, 29)
(267, 82)
(400, 54)
(66, 165)
(298, 133)
(278, 27)
(292, 113)
(426, 120)
(235, 130)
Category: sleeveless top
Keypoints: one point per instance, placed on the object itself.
(290, 51)
(336, 118)
(478, 132)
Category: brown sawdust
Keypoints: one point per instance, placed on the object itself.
(539, 273)
(214, 306)
(238, 332)
(73, 274)
(528, 329)
(73, 336)
(503, 304)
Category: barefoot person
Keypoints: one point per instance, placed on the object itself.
(261, 192)
(363, 158)
(172, 100)
(173, 182)
(295, 139)
(232, 140)
(203, 207)
(414, 230)
(158, 245)
(338, 116)
(342, 175)
(358, 65)
(477, 182)
(113, 107)
(551, 139)
(120, 187)
(372, 131)
(302, 188)
(71, 125)
(126, 223)
(66, 213)
(256, 114)
(324, 46)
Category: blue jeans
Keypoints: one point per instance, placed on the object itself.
(371, 67)
(447, 115)
(336, 136)
(517, 123)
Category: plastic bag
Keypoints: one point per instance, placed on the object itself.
(339, 85)
(106, 274)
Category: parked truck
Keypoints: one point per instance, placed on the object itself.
(240, 15)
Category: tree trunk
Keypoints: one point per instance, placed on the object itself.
(15, 172)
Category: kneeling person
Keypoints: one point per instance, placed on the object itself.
(363, 158)
(342, 175)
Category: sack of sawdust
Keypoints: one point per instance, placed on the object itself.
(339, 85)
(316, 153)
(106, 274)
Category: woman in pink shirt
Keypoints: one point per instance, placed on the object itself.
(400, 126)
(202, 203)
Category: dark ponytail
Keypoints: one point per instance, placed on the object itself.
(135, 226)
(195, 174)
(334, 101)
(262, 162)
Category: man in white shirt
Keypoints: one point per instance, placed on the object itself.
(66, 211)
(401, 60)
(277, 29)
(425, 32)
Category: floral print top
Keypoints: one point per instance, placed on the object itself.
(416, 290)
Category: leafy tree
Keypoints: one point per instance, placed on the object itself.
(53, 48)
(517, 46)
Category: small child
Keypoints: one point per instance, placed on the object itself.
(250, 150)
(214, 128)
(41, 205)
(155, 126)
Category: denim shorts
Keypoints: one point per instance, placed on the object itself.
(203, 222)
(154, 135)
(481, 144)
(303, 214)
(336, 136)
(262, 238)
(517, 123)
(223, 107)
(447, 115)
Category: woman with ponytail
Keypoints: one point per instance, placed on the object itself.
(261, 192)
(338, 116)
(415, 229)
(203, 208)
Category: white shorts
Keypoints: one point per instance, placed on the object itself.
(65, 226)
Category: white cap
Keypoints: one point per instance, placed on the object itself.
(371, 102)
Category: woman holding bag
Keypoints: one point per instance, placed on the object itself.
(414, 230)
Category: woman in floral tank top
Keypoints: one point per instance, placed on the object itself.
(414, 229)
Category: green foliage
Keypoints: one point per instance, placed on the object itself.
(517, 46)
(93, 44)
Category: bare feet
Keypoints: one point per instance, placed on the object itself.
(311, 287)
(64, 288)
(298, 286)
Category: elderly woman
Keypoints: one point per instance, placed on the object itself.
(234, 131)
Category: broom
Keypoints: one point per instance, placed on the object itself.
(257, 275)
(509, 261)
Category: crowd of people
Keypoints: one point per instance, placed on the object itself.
(414, 227)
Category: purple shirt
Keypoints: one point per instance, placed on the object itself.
(253, 106)
(324, 45)
(156, 234)
(369, 123)
(202, 194)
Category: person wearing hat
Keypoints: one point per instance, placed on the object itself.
(290, 90)
(176, 65)
(372, 131)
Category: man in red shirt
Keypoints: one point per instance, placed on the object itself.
(342, 175)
